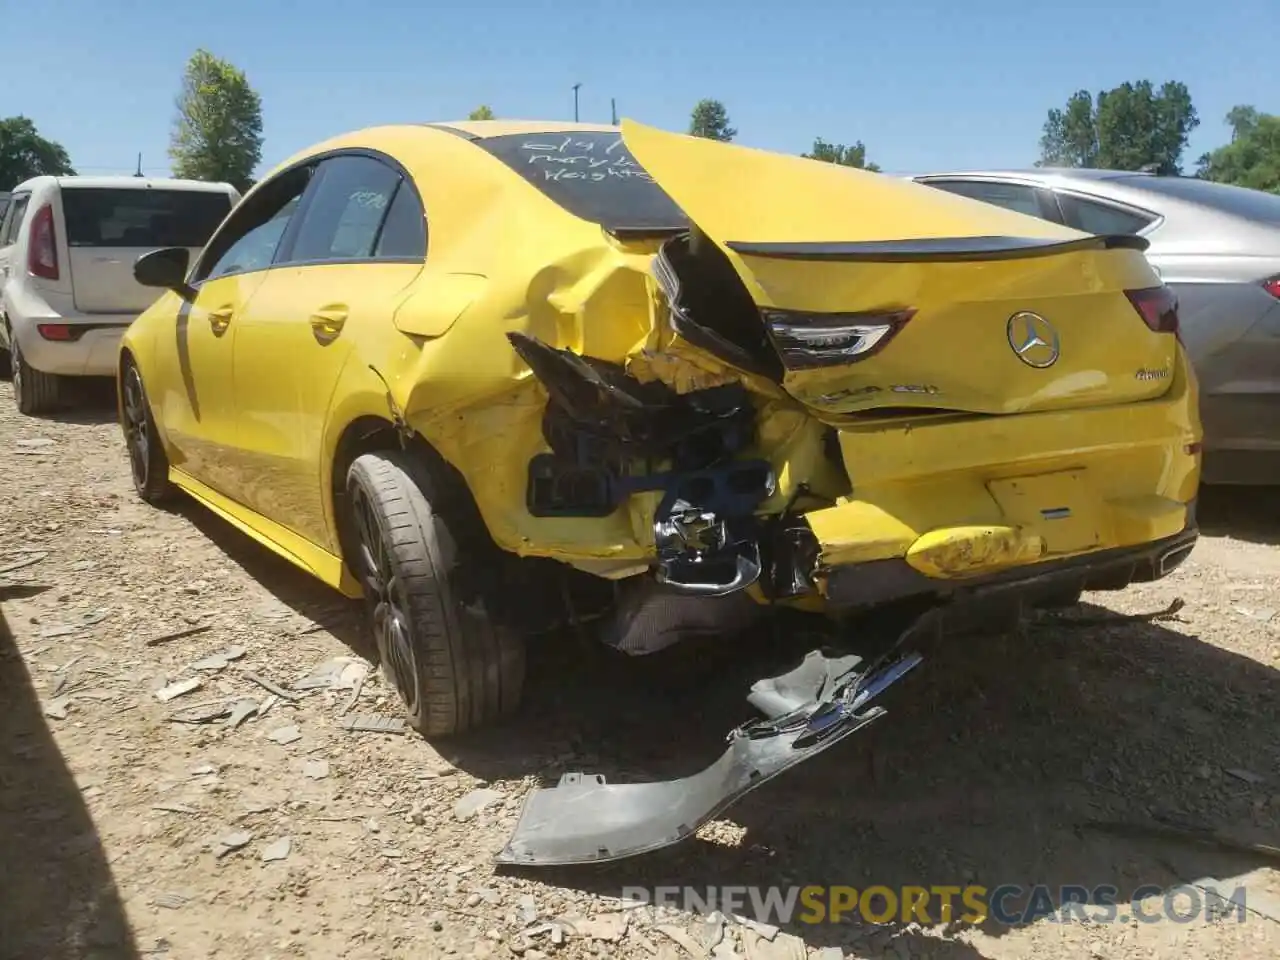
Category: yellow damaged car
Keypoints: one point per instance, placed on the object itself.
(498, 376)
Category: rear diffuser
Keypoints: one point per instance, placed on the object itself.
(584, 819)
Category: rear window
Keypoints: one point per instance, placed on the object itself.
(99, 217)
(1236, 201)
(592, 175)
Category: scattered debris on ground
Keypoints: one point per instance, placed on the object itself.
(202, 753)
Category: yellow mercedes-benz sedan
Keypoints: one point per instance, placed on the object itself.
(496, 376)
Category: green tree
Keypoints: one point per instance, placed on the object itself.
(710, 120)
(1252, 158)
(217, 134)
(1071, 135)
(24, 154)
(854, 155)
(481, 112)
(1130, 127)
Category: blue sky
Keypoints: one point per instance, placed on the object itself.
(924, 83)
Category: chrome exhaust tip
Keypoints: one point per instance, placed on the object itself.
(1171, 559)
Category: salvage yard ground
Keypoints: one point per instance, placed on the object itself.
(260, 827)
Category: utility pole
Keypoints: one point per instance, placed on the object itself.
(575, 101)
(139, 173)
(613, 109)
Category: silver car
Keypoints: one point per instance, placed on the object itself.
(1219, 248)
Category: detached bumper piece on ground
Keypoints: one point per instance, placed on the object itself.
(586, 820)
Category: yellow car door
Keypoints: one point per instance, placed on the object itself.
(196, 404)
(197, 409)
(342, 272)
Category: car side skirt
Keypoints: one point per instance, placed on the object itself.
(276, 538)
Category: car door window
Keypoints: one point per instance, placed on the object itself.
(251, 235)
(13, 222)
(1100, 218)
(1017, 197)
(344, 218)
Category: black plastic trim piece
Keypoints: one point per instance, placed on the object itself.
(933, 249)
(624, 232)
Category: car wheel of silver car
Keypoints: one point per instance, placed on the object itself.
(33, 390)
(455, 667)
(147, 460)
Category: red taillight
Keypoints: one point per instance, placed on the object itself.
(1158, 307)
(55, 331)
(1272, 286)
(42, 248)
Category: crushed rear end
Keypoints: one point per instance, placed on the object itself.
(854, 389)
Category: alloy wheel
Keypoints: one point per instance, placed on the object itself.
(384, 594)
(137, 432)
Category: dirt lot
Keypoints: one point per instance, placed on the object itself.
(125, 832)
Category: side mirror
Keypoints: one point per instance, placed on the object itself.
(167, 269)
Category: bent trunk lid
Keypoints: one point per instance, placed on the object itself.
(979, 283)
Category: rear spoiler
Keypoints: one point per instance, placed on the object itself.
(934, 249)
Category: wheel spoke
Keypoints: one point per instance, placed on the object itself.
(132, 402)
(368, 531)
(137, 436)
(371, 572)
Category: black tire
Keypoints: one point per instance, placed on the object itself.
(456, 669)
(34, 391)
(148, 462)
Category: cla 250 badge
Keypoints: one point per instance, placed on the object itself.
(922, 388)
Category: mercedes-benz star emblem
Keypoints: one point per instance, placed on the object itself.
(1033, 339)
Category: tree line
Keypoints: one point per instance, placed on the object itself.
(217, 134)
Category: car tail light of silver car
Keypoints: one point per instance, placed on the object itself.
(1272, 286)
(806, 340)
(1158, 307)
(58, 331)
(42, 251)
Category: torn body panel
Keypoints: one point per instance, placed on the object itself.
(729, 481)
(726, 415)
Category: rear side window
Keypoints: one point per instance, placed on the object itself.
(98, 217)
(1236, 201)
(1017, 197)
(592, 175)
(404, 232)
(13, 223)
(1100, 218)
(344, 217)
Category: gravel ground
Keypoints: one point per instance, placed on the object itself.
(127, 832)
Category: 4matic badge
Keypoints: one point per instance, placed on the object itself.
(1142, 373)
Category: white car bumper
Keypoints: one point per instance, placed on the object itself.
(91, 352)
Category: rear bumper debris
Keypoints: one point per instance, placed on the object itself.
(584, 819)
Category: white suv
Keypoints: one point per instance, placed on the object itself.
(67, 248)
